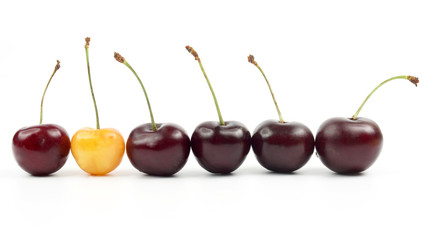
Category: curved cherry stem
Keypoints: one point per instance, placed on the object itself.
(251, 59)
(44, 93)
(90, 81)
(412, 79)
(121, 59)
(196, 56)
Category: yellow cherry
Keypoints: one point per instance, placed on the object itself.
(98, 151)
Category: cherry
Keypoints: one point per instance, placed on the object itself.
(351, 145)
(281, 146)
(41, 149)
(156, 149)
(219, 147)
(97, 151)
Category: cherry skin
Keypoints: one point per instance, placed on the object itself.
(282, 147)
(221, 148)
(161, 152)
(42, 149)
(348, 146)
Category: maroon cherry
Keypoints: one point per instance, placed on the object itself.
(219, 147)
(156, 149)
(281, 146)
(41, 149)
(351, 145)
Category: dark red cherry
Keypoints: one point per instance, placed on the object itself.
(42, 149)
(156, 149)
(161, 152)
(282, 147)
(348, 146)
(351, 145)
(220, 148)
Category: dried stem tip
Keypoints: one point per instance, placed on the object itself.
(87, 42)
(193, 52)
(57, 65)
(251, 59)
(119, 57)
(413, 80)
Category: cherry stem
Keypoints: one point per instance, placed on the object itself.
(44, 93)
(121, 59)
(196, 56)
(412, 79)
(90, 81)
(251, 59)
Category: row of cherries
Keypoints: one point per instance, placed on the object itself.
(344, 145)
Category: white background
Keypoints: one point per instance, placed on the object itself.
(322, 59)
